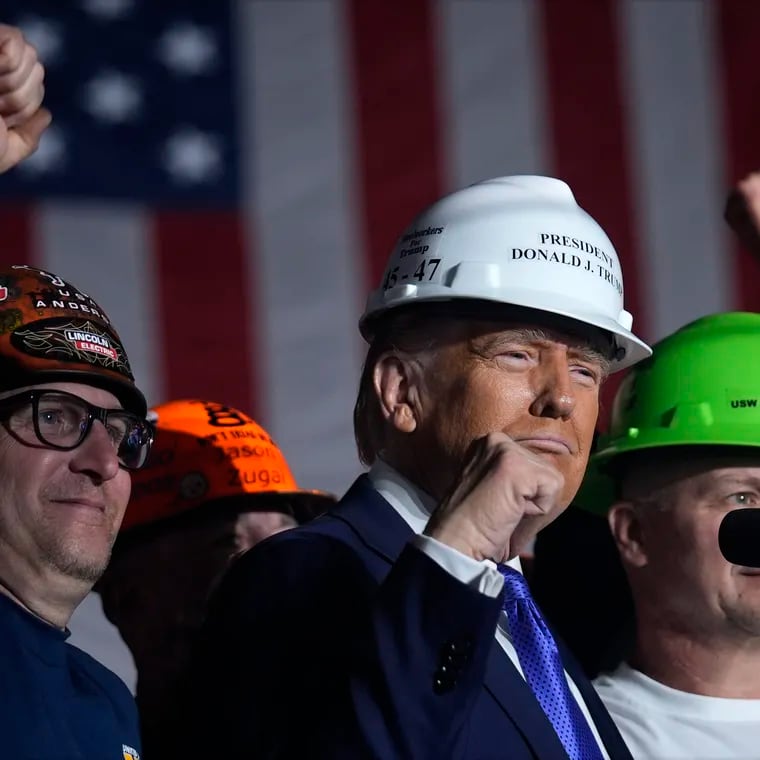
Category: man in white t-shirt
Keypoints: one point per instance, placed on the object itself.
(684, 450)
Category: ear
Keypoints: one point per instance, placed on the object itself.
(627, 530)
(396, 388)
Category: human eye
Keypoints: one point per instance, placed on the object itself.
(58, 417)
(516, 355)
(126, 431)
(118, 428)
(586, 363)
(586, 373)
(744, 499)
(49, 415)
(134, 441)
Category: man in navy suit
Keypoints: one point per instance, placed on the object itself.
(398, 625)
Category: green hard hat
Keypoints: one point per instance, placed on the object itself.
(598, 491)
(701, 386)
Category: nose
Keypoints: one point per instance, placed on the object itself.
(96, 455)
(554, 392)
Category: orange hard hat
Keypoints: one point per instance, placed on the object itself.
(205, 451)
(50, 331)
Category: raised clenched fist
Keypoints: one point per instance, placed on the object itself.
(501, 485)
(22, 118)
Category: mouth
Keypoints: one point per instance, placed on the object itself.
(83, 503)
(547, 444)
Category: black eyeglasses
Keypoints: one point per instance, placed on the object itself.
(61, 420)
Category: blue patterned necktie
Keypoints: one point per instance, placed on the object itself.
(542, 666)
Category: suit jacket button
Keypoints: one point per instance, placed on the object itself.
(443, 682)
(461, 647)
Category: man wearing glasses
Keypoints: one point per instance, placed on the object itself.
(72, 424)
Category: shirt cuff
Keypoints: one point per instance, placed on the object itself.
(480, 575)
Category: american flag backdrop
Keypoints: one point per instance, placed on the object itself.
(227, 178)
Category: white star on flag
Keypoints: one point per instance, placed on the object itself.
(188, 49)
(192, 156)
(113, 96)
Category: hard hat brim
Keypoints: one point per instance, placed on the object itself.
(633, 349)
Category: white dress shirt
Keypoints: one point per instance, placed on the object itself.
(415, 507)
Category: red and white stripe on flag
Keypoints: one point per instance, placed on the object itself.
(359, 112)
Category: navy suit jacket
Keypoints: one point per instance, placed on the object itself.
(340, 639)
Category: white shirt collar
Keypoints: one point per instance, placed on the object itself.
(412, 503)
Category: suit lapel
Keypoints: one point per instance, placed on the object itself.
(613, 741)
(509, 689)
(375, 522)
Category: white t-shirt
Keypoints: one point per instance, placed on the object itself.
(660, 723)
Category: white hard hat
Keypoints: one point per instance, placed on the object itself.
(520, 240)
